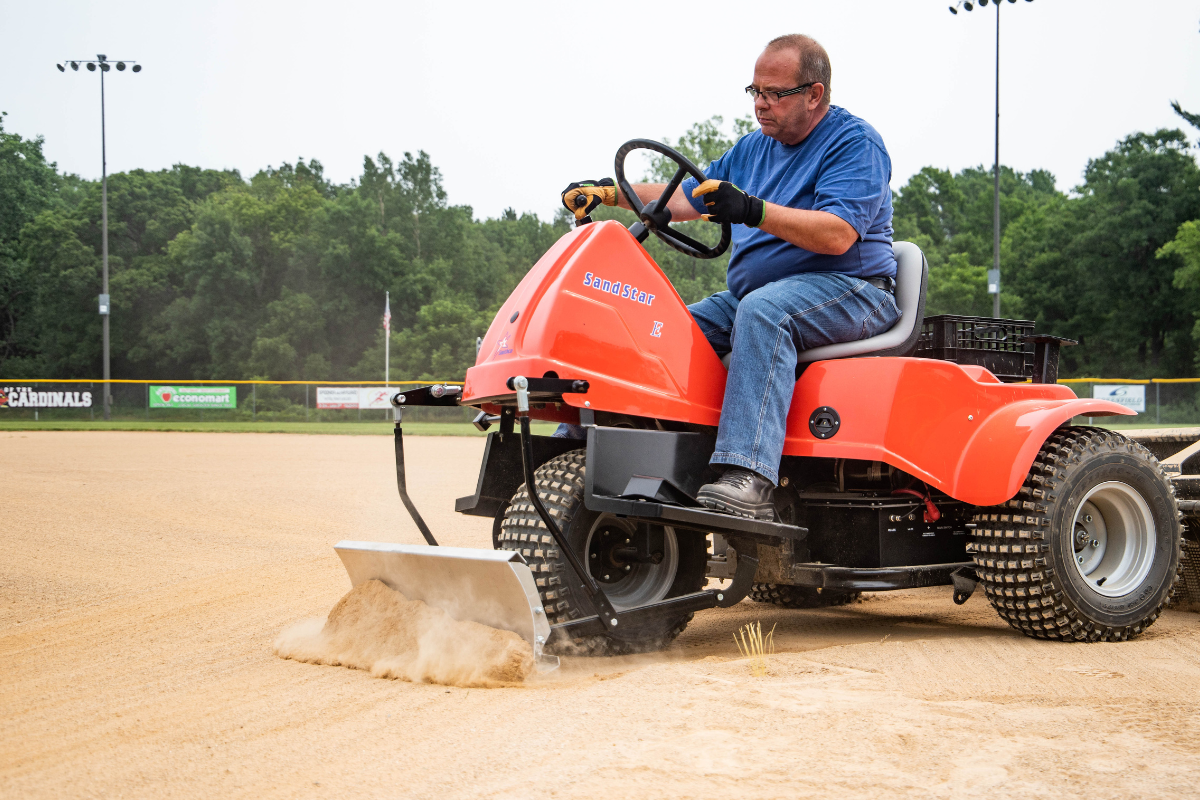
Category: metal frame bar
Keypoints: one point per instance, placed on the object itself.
(851, 579)
(599, 600)
(401, 485)
(731, 595)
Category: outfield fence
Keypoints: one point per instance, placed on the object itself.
(213, 401)
(1167, 401)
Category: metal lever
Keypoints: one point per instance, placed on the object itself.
(604, 608)
(400, 480)
(581, 201)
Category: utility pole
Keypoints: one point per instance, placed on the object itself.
(104, 65)
(104, 301)
(387, 339)
(996, 171)
(993, 275)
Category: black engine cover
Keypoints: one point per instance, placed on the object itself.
(883, 532)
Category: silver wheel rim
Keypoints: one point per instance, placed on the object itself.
(1113, 537)
(642, 583)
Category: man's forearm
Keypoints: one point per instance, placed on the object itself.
(681, 209)
(815, 231)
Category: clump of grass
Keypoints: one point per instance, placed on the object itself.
(753, 645)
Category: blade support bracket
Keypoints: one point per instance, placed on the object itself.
(604, 608)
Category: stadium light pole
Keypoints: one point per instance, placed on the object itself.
(994, 272)
(103, 65)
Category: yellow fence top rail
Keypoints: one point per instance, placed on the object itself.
(189, 381)
(1142, 381)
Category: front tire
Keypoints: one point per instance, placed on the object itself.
(595, 538)
(1089, 549)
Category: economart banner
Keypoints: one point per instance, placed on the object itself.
(377, 397)
(193, 397)
(32, 397)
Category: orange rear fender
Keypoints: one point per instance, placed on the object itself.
(956, 428)
(1008, 441)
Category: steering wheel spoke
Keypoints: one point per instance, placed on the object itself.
(656, 216)
(673, 237)
(676, 179)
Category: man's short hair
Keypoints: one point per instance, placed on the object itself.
(814, 61)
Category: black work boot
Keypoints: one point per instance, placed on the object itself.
(740, 492)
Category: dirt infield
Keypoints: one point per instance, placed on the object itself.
(144, 577)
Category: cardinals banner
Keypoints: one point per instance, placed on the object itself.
(193, 397)
(34, 397)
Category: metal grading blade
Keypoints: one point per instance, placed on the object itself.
(491, 587)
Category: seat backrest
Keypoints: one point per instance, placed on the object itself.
(912, 279)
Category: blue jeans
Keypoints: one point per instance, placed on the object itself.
(765, 331)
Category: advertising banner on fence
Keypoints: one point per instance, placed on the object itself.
(377, 397)
(337, 397)
(193, 397)
(1131, 396)
(32, 397)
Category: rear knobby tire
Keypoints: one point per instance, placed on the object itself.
(1089, 549)
(560, 483)
(799, 596)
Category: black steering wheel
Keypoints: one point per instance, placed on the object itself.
(656, 216)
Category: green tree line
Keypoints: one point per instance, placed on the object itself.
(282, 276)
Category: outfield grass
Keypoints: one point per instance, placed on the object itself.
(344, 428)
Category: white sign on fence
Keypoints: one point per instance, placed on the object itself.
(32, 397)
(337, 397)
(368, 397)
(376, 397)
(1130, 395)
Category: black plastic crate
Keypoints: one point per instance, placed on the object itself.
(997, 345)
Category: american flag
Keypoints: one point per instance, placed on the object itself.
(387, 314)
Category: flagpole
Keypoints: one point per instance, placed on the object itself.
(387, 339)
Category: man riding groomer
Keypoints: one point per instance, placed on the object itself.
(811, 262)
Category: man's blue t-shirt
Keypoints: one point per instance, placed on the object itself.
(842, 167)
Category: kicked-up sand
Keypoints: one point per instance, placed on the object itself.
(377, 629)
(145, 579)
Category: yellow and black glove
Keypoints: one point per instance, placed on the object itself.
(728, 203)
(595, 192)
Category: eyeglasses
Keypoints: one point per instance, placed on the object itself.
(773, 96)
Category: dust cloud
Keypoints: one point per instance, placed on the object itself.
(377, 629)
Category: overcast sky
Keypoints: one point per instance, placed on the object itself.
(514, 100)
